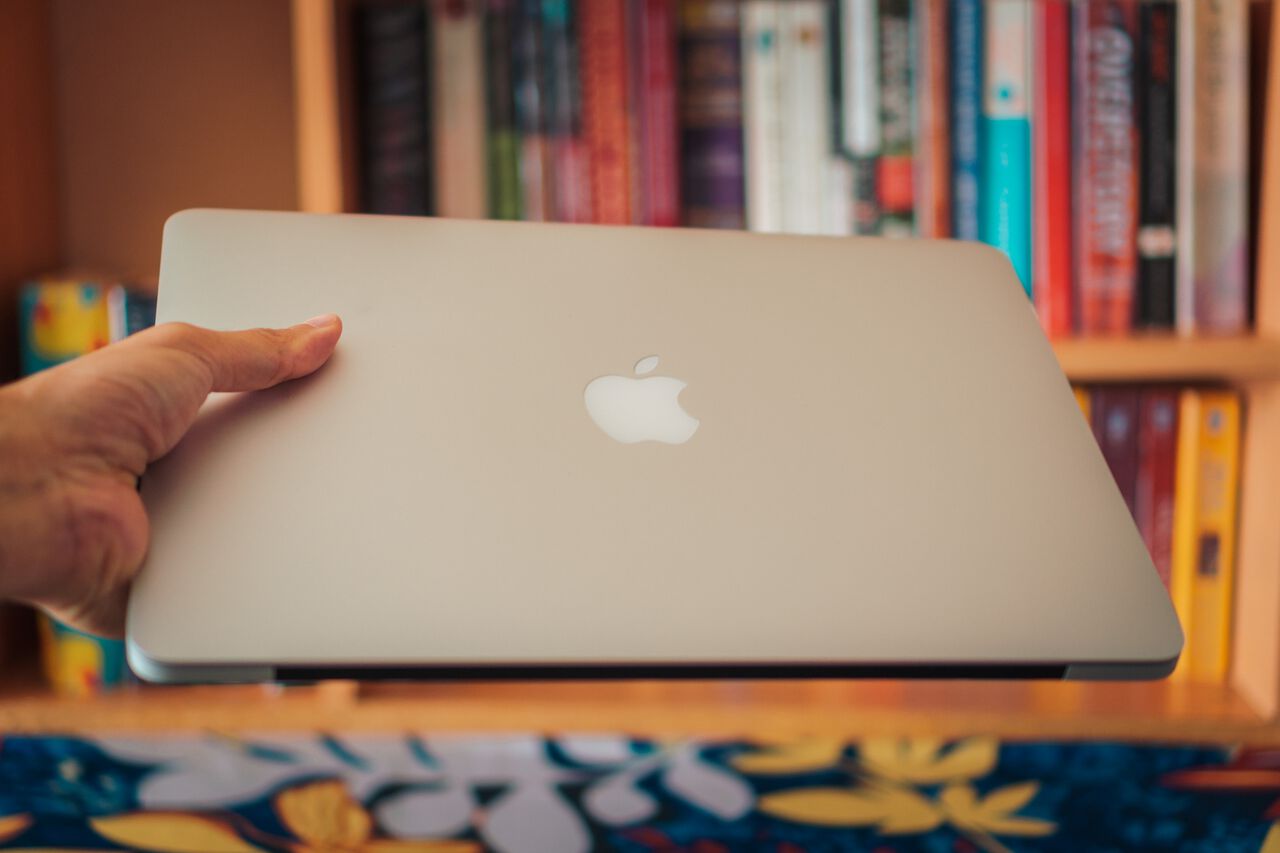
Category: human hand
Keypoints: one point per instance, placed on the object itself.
(74, 440)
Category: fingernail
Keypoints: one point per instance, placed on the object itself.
(322, 321)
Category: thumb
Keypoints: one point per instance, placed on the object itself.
(256, 358)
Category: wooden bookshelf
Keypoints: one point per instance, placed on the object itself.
(265, 119)
(1021, 710)
(1160, 358)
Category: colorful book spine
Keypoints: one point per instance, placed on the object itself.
(458, 97)
(762, 112)
(531, 112)
(711, 114)
(659, 164)
(395, 157)
(933, 169)
(1051, 168)
(1212, 286)
(605, 121)
(503, 139)
(1205, 510)
(1114, 414)
(1085, 401)
(1157, 106)
(1157, 461)
(1105, 167)
(895, 173)
(858, 51)
(805, 114)
(1005, 213)
(60, 320)
(966, 115)
(570, 197)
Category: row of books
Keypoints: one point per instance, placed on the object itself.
(1175, 456)
(1102, 145)
(60, 320)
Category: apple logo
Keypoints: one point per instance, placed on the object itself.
(632, 410)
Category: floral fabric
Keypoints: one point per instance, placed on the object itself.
(529, 794)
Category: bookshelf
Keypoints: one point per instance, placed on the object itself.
(291, 83)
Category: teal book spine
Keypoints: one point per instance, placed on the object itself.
(1006, 192)
(1005, 209)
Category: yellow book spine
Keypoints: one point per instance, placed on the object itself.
(1185, 499)
(1082, 399)
(1213, 582)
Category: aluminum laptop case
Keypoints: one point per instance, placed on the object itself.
(883, 471)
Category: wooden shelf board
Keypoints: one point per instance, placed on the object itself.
(1169, 357)
(1019, 710)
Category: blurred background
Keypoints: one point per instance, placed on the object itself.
(1123, 154)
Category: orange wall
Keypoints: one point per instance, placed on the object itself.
(163, 105)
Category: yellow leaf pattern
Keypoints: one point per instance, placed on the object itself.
(1271, 844)
(924, 761)
(172, 832)
(800, 757)
(324, 816)
(11, 825)
(823, 807)
(994, 813)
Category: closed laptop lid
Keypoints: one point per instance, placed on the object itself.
(549, 449)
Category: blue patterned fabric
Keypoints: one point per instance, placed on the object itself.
(527, 794)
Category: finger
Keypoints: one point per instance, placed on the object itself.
(257, 358)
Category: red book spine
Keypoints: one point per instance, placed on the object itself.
(1051, 168)
(603, 51)
(1157, 460)
(657, 109)
(1106, 173)
(1114, 413)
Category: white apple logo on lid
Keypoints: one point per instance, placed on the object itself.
(631, 410)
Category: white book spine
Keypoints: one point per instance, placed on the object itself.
(1212, 285)
(761, 113)
(860, 77)
(1184, 284)
(806, 116)
(458, 98)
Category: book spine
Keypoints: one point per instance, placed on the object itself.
(1157, 106)
(395, 159)
(1105, 164)
(1051, 168)
(966, 113)
(571, 196)
(1005, 214)
(1114, 414)
(1186, 493)
(1213, 278)
(1157, 460)
(762, 112)
(659, 166)
(503, 141)
(711, 114)
(933, 168)
(859, 53)
(58, 321)
(805, 115)
(604, 108)
(1213, 583)
(458, 96)
(1084, 401)
(895, 171)
(531, 115)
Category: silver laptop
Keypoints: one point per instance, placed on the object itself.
(584, 451)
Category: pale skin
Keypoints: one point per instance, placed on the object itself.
(74, 440)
